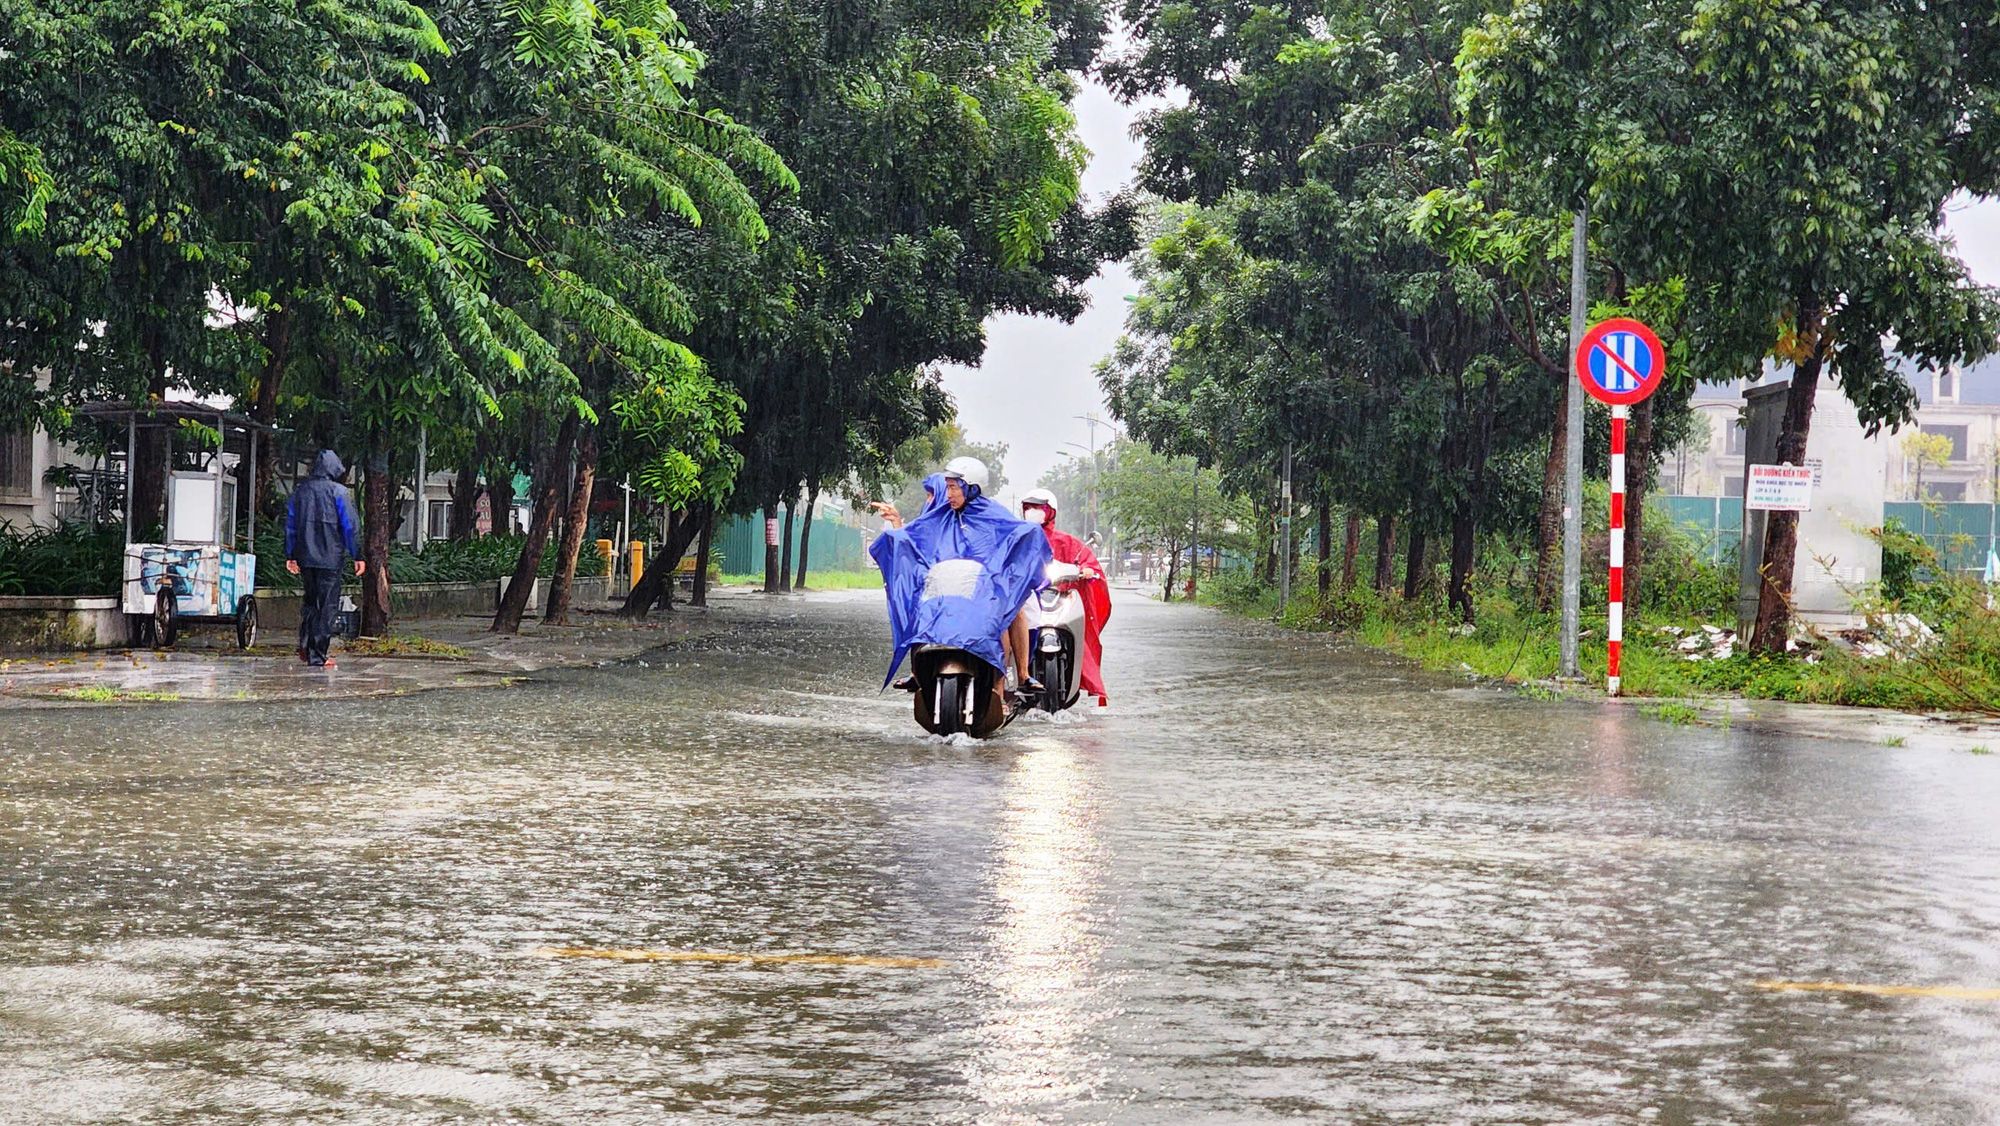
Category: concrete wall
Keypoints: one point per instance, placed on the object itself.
(35, 624)
(1836, 555)
(58, 625)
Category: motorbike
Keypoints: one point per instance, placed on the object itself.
(955, 691)
(1056, 640)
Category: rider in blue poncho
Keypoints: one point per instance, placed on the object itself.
(959, 523)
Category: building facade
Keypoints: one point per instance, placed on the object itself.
(1960, 406)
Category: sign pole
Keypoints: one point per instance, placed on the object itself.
(1579, 309)
(1615, 631)
(1620, 362)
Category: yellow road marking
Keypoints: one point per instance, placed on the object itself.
(1959, 992)
(750, 959)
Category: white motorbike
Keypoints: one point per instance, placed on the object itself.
(1057, 638)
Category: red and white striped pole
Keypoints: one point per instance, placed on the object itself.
(1616, 624)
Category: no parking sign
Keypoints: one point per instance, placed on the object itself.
(1619, 362)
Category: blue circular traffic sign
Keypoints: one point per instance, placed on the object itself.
(1620, 361)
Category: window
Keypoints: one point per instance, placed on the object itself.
(1947, 385)
(1947, 492)
(17, 462)
(1957, 436)
(438, 526)
(1732, 487)
(1732, 438)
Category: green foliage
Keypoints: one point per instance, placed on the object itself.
(441, 561)
(70, 559)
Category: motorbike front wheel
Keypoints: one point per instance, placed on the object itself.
(1054, 675)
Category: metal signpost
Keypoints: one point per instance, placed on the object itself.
(1619, 362)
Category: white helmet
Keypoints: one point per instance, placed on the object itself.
(970, 470)
(1039, 496)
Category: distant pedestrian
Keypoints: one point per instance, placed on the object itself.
(319, 536)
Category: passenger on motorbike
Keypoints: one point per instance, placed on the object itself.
(1039, 507)
(960, 523)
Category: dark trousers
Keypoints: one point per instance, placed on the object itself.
(321, 611)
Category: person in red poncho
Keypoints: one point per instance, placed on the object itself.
(1039, 507)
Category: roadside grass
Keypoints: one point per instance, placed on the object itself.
(819, 580)
(99, 694)
(405, 645)
(1953, 665)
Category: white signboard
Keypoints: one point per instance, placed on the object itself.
(1779, 488)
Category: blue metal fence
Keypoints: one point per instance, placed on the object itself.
(1961, 534)
(739, 545)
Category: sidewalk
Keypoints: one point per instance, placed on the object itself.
(429, 654)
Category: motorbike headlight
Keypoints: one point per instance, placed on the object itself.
(1051, 598)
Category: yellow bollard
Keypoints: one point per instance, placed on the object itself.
(638, 550)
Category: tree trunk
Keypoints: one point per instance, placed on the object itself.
(465, 497)
(1385, 554)
(556, 612)
(806, 533)
(785, 551)
(656, 585)
(264, 407)
(1781, 530)
(146, 463)
(1325, 519)
(378, 520)
(1465, 515)
(1463, 538)
(1413, 565)
(548, 497)
(1548, 521)
(1638, 481)
(770, 549)
(701, 556)
(1350, 550)
(1173, 571)
(1194, 546)
(500, 495)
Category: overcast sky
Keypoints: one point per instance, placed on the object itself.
(1037, 376)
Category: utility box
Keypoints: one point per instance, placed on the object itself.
(1836, 556)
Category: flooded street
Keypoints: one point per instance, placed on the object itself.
(1283, 879)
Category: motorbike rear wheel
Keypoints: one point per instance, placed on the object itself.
(948, 704)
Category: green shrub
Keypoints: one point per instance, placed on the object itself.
(72, 559)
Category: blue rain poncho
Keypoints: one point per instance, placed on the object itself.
(1012, 557)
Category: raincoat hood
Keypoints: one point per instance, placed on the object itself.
(328, 466)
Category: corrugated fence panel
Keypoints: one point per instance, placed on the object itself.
(739, 546)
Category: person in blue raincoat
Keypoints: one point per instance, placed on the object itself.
(959, 523)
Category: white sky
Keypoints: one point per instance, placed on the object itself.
(1037, 375)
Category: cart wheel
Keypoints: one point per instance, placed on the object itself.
(140, 626)
(246, 622)
(166, 622)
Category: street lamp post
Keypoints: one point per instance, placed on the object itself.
(1096, 469)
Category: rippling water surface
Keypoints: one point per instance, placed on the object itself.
(1284, 880)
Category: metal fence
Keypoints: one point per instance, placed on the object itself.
(1961, 534)
(739, 545)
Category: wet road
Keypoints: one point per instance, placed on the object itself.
(1284, 881)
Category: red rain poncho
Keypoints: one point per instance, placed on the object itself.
(1096, 605)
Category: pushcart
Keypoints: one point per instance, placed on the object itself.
(197, 574)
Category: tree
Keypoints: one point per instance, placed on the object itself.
(1925, 451)
(1168, 504)
(1788, 162)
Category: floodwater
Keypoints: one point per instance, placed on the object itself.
(1281, 880)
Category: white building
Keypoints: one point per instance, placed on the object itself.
(1960, 405)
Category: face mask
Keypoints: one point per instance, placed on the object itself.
(1036, 515)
